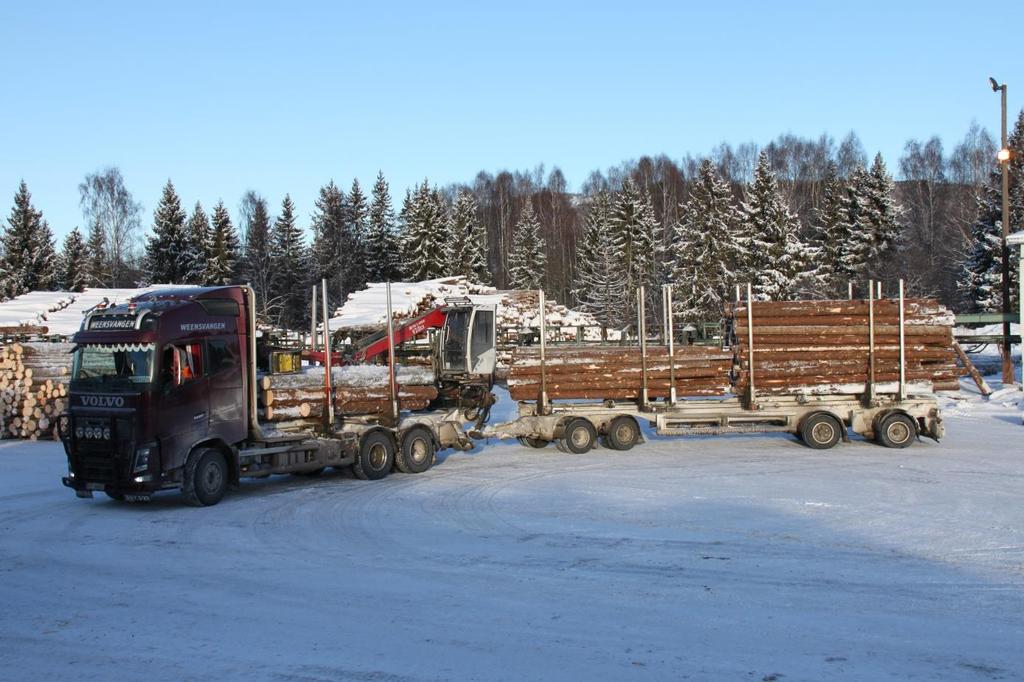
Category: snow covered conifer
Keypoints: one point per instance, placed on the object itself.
(832, 238)
(636, 228)
(328, 258)
(73, 262)
(354, 255)
(28, 261)
(167, 245)
(527, 260)
(426, 233)
(97, 260)
(289, 262)
(883, 215)
(468, 241)
(222, 263)
(600, 278)
(704, 251)
(383, 246)
(857, 255)
(776, 258)
(196, 252)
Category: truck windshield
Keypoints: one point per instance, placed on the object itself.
(113, 363)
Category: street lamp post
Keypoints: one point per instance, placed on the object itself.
(1004, 161)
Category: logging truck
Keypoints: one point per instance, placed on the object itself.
(582, 397)
(163, 395)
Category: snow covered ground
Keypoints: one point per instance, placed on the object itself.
(747, 558)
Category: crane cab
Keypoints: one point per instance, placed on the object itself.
(466, 344)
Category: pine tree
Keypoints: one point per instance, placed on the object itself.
(73, 261)
(97, 262)
(196, 253)
(468, 246)
(257, 267)
(831, 238)
(168, 243)
(354, 248)
(28, 260)
(601, 281)
(289, 261)
(527, 260)
(857, 254)
(776, 258)
(328, 259)
(883, 220)
(383, 246)
(426, 233)
(636, 228)
(704, 251)
(222, 262)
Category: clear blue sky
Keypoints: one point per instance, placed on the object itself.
(281, 97)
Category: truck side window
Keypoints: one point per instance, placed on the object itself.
(182, 363)
(220, 356)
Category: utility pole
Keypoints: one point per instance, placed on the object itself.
(1004, 161)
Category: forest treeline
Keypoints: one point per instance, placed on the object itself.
(797, 217)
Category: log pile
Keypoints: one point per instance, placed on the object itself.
(823, 346)
(289, 402)
(33, 388)
(614, 373)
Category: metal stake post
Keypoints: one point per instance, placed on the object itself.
(391, 359)
(903, 352)
(642, 330)
(751, 401)
(871, 344)
(671, 346)
(543, 398)
(312, 323)
(849, 290)
(328, 392)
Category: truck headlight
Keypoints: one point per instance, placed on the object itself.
(142, 458)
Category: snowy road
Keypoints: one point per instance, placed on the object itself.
(738, 558)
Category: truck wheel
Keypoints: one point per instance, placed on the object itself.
(205, 479)
(821, 431)
(896, 430)
(417, 452)
(376, 457)
(580, 436)
(528, 442)
(623, 433)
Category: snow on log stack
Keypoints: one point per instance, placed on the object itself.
(295, 401)
(33, 388)
(614, 372)
(823, 346)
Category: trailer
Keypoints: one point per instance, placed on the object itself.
(890, 413)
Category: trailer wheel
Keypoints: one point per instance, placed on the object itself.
(623, 433)
(821, 431)
(896, 430)
(205, 478)
(417, 452)
(375, 458)
(528, 442)
(580, 436)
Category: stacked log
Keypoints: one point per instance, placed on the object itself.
(33, 388)
(296, 401)
(614, 373)
(823, 346)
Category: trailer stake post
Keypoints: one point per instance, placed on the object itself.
(328, 392)
(751, 392)
(902, 395)
(667, 291)
(542, 399)
(870, 393)
(312, 323)
(391, 359)
(641, 327)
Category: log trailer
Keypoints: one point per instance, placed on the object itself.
(163, 396)
(887, 414)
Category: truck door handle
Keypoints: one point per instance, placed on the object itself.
(199, 417)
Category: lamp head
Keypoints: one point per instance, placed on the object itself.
(995, 85)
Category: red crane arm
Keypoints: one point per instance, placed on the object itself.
(432, 319)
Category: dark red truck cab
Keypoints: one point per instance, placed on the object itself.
(152, 380)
